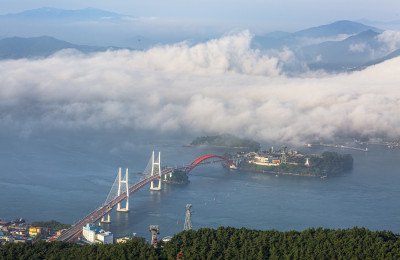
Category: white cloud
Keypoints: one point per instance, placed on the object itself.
(305, 41)
(358, 47)
(218, 86)
(391, 38)
(139, 19)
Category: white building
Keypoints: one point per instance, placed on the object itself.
(105, 237)
(95, 234)
(267, 161)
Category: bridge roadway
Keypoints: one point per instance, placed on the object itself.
(97, 214)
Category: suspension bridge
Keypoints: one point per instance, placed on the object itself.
(121, 191)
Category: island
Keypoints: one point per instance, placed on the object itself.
(226, 141)
(177, 177)
(294, 163)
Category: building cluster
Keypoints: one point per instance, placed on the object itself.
(125, 239)
(94, 234)
(268, 160)
(271, 157)
(17, 231)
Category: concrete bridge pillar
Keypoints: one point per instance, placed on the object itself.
(168, 174)
(106, 221)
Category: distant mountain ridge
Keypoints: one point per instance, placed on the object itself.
(49, 13)
(336, 28)
(36, 47)
(336, 47)
(390, 56)
(277, 40)
(342, 55)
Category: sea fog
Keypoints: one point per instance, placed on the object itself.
(68, 122)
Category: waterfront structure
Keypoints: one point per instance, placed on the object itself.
(125, 239)
(34, 231)
(16, 231)
(94, 234)
(188, 218)
(267, 161)
(89, 232)
(105, 237)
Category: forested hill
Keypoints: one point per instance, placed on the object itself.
(228, 243)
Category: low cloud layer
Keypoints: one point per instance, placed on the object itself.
(391, 38)
(221, 86)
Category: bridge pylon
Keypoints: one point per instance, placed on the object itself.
(123, 181)
(156, 170)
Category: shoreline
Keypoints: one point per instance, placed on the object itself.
(283, 173)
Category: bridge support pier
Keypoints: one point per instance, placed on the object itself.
(156, 169)
(125, 181)
(169, 175)
(106, 221)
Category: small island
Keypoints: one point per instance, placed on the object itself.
(226, 141)
(293, 163)
(177, 177)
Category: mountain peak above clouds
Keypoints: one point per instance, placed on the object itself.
(36, 47)
(50, 13)
(336, 28)
(336, 31)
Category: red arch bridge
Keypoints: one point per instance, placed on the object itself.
(95, 216)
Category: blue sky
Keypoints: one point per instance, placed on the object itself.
(284, 14)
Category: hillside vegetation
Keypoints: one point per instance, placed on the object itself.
(228, 243)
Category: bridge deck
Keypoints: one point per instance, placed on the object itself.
(97, 214)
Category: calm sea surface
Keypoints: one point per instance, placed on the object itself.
(66, 177)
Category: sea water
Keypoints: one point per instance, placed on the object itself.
(65, 177)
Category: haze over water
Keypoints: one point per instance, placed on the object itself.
(66, 178)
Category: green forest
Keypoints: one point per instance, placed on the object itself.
(328, 164)
(178, 177)
(228, 243)
(52, 225)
